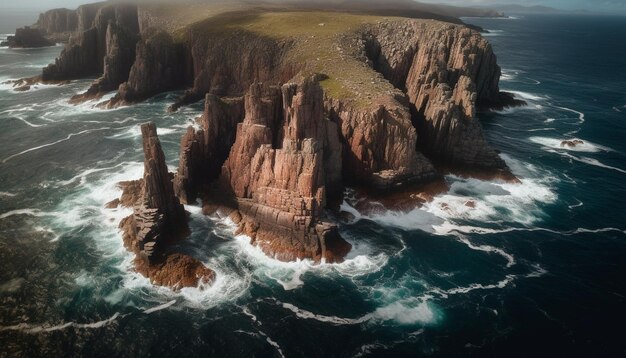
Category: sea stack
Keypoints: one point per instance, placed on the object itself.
(158, 221)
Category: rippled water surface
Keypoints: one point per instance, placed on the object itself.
(532, 268)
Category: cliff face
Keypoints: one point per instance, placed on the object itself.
(158, 220)
(285, 158)
(58, 24)
(225, 66)
(103, 44)
(379, 144)
(445, 70)
(203, 152)
(159, 66)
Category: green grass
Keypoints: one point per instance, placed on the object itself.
(316, 38)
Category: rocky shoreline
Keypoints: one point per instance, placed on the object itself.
(290, 120)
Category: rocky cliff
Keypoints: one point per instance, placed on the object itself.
(297, 105)
(158, 67)
(445, 71)
(104, 44)
(158, 221)
(286, 157)
(58, 24)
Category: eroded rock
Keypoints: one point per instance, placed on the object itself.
(285, 157)
(158, 221)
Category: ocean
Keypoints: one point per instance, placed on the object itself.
(530, 269)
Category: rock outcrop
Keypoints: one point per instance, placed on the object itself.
(379, 144)
(203, 152)
(159, 66)
(445, 70)
(58, 24)
(286, 157)
(158, 221)
(104, 40)
(27, 37)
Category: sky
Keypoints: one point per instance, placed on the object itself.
(594, 5)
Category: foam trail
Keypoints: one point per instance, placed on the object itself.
(593, 162)
(595, 231)
(28, 123)
(487, 248)
(477, 286)
(579, 204)
(6, 193)
(69, 136)
(338, 321)
(160, 307)
(34, 329)
(30, 212)
(273, 344)
(402, 312)
(448, 228)
(581, 115)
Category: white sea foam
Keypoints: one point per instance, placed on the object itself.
(45, 328)
(69, 136)
(27, 122)
(528, 96)
(477, 286)
(581, 115)
(404, 312)
(135, 132)
(577, 205)
(160, 307)
(29, 212)
(289, 274)
(7, 194)
(488, 248)
(555, 143)
(590, 161)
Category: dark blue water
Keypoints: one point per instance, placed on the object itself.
(532, 269)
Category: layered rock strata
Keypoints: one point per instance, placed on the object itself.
(445, 71)
(286, 157)
(157, 67)
(158, 221)
(203, 152)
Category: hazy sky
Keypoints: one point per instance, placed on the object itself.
(597, 5)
